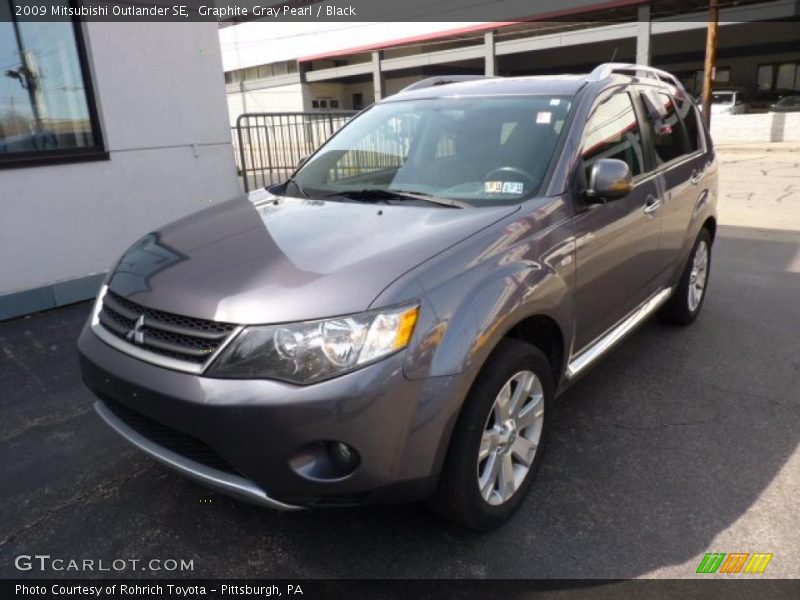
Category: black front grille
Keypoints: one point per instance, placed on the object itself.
(166, 437)
(176, 336)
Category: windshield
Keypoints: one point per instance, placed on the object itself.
(477, 151)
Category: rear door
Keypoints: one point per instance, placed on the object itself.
(616, 242)
(682, 165)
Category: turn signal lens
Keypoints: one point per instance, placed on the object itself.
(407, 322)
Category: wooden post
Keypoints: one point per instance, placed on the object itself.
(711, 58)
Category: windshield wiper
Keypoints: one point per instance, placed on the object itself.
(379, 194)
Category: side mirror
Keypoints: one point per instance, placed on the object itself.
(609, 179)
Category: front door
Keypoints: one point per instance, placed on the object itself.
(617, 242)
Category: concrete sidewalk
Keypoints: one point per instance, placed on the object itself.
(760, 186)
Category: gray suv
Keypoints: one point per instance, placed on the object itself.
(396, 320)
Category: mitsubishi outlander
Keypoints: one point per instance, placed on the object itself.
(396, 320)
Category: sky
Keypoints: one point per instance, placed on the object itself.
(257, 43)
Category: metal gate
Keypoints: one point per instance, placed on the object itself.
(268, 146)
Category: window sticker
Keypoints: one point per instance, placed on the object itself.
(513, 187)
(493, 187)
(503, 187)
(544, 117)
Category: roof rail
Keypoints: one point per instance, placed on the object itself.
(605, 70)
(441, 80)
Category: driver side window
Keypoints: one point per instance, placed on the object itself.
(613, 132)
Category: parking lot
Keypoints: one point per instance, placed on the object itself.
(681, 442)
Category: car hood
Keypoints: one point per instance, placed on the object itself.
(269, 259)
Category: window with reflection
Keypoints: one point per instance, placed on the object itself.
(477, 150)
(613, 132)
(45, 104)
(778, 77)
(691, 121)
(668, 135)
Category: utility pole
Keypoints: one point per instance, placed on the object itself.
(711, 58)
(28, 78)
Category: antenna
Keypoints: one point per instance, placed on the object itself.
(614, 54)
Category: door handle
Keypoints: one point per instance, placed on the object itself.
(696, 177)
(651, 205)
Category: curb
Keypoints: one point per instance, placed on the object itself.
(776, 147)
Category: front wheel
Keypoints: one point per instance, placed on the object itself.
(684, 305)
(498, 442)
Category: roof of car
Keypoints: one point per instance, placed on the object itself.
(557, 85)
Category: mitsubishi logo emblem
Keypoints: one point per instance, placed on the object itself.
(136, 335)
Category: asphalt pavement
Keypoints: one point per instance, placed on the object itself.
(680, 442)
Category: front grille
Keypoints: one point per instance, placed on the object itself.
(175, 336)
(166, 437)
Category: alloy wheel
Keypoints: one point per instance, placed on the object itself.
(698, 276)
(510, 438)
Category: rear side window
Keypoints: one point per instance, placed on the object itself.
(668, 135)
(613, 132)
(691, 121)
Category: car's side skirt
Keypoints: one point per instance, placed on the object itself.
(581, 361)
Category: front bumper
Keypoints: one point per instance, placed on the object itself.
(258, 428)
(217, 479)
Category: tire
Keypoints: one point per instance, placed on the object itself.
(459, 496)
(684, 305)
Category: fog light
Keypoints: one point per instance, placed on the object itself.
(343, 455)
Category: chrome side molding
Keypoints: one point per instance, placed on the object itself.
(604, 343)
(227, 483)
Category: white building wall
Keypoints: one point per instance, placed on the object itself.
(284, 98)
(396, 84)
(343, 92)
(297, 97)
(162, 111)
(364, 87)
(325, 90)
(756, 128)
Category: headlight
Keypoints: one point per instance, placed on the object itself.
(315, 350)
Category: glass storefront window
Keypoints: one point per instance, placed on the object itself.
(45, 107)
(764, 78)
(784, 80)
(780, 77)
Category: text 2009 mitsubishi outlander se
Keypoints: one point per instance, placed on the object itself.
(395, 321)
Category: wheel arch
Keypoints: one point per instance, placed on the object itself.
(543, 332)
(539, 329)
(710, 224)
